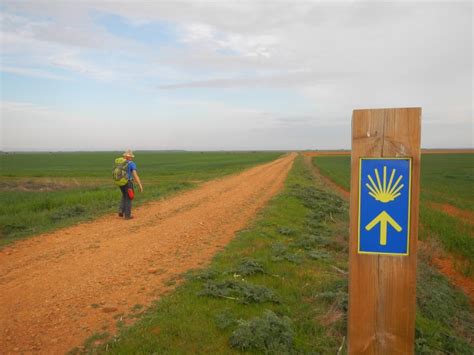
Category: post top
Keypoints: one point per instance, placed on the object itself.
(386, 108)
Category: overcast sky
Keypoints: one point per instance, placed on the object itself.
(202, 75)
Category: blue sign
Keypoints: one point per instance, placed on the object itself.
(384, 205)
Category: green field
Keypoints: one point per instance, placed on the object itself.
(280, 287)
(44, 191)
(445, 178)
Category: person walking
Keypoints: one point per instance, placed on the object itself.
(125, 174)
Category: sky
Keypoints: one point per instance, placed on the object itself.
(229, 75)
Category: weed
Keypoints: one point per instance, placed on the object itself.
(225, 319)
(269, 333)
(248, 266)
(318, 255)
(292, 258)
(444, 317)
(137, 307)
(95, 338)
(309, 242)
(118, 316)
(323, 204)
(240, 291)
(13, 227)
(120, 324)
(170, 282)
(336, 293)
(67, 212)
(207, 274)
(281, 252)
(279, 248)
(285, 231)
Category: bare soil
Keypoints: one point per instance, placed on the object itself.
(57, 289)
(446, 266)
(338, 188)
(43, 184)
(464, 215)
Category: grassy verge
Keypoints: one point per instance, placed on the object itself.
(454, 235)
(278, 287)
(444, 317)
(281, 287)
(46, 191)
(337, 168)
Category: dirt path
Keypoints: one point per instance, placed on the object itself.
(59, 288)
(446, 266)
(338, 188)
(464, 215)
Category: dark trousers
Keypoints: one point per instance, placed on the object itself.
(126, 204)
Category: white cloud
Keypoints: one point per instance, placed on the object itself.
(28, 109)
(200, 34)
(32, 72)
(335, 56)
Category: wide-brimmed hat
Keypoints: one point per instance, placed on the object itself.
(128, 153)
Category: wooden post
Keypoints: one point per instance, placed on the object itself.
(382, 288)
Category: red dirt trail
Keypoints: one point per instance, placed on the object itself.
(446, 266)
(59, 288)
(464, 215)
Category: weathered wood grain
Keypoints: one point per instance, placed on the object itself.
(382, 288)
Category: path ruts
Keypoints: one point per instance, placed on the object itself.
(59, 288)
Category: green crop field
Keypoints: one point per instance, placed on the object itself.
(446, 179)
(280, 287)
(43, 191)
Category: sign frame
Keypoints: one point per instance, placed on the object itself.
(410, 163)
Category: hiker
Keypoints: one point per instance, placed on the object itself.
(125, 174)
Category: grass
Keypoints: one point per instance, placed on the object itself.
(444, 318)
(307, 310)
(445, 178)
(44, 191)
(248, 299)
(455, 236)
(448, 178)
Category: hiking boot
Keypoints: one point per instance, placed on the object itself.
(120, 214)
(129, 217)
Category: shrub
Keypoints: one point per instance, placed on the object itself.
(248, 267)
(268, 333)
(242, 292)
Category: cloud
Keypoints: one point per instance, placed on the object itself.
(32, 44)
(201, 34)
(325, 58)
(287, 80)
(27, 108)
(32, 72)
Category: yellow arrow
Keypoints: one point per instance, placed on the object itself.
(383, 218)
